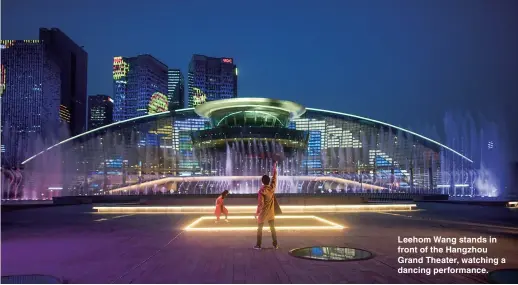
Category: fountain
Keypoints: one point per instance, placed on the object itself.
(344, 157)
(42, 179)
(480, 140)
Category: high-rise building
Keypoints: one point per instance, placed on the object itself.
(72, 60)
(100, 111)
(175, 89)
(211, 78)
(30, 99)
(138, 82)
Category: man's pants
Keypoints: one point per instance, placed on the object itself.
(260, 233)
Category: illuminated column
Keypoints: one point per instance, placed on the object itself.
(123, 172)
(85, 169)
(392, 176)
(430, 178)
(412, 179)
(105, 168)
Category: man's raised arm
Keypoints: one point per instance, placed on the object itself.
(273, 184)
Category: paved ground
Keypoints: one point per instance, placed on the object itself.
(72, 243)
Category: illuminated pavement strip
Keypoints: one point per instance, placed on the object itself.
(452, 222)
(292, 209)
(394, 214)
(223, 226)
(113, 218)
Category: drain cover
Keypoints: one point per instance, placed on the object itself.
(503, 276)
(30, 279)
(331, 253)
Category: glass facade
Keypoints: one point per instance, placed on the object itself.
(211, 79)
(349, 148)
(100, 111)
(31, 108)
(135, 81)
(72, 61)
(175, 89)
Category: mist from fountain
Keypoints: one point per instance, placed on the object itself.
(482, 141)
(228, 161)
(249, 158)
(45, 175)
(253, 157)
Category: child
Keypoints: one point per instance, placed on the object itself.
(220, 207)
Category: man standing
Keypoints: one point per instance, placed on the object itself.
(265, 208)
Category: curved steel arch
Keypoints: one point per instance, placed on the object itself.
(93, 131)
(392, 126)
(105, 127)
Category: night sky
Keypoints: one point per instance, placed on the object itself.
(404, 62)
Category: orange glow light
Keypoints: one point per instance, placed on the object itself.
(245, 209)
(328, 224)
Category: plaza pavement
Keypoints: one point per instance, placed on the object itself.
(78, 246)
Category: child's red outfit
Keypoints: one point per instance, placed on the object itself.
(220, 208)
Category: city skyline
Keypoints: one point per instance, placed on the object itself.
(167, 138)
(396, 65)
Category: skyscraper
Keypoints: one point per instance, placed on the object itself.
(30, 100)
(135, 81)
(175, 89)
(100, 111)
(72, 60)
(211, 78)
